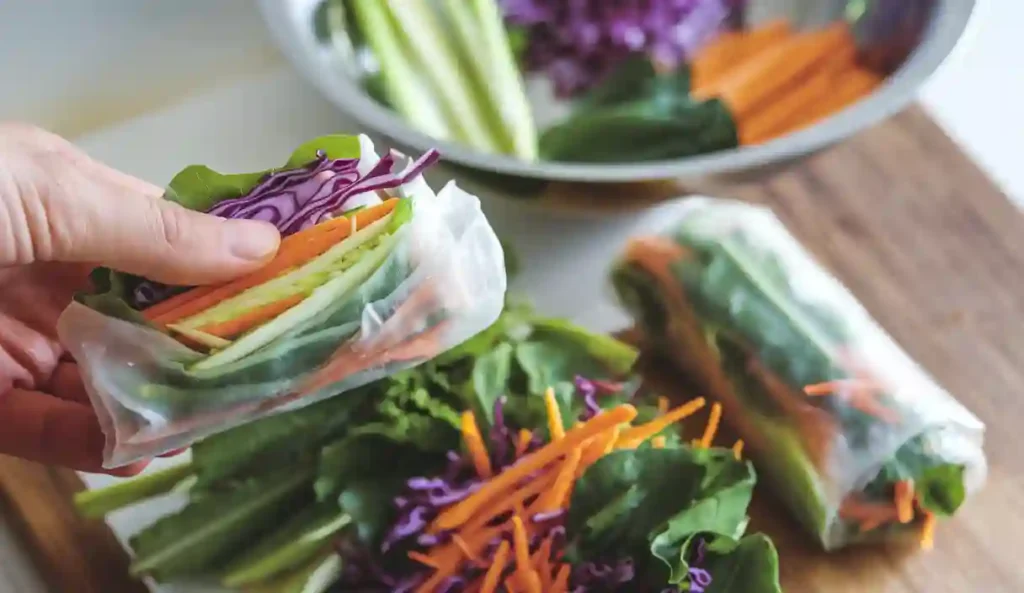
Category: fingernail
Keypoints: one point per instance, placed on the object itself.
(252, 239)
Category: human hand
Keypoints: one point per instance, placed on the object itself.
(61, 214)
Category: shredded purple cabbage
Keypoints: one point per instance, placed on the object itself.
(425, 497)
(296, 199)
(578, 42)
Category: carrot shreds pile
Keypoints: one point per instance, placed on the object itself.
(501, 528)
(776, 81)
(858, 393)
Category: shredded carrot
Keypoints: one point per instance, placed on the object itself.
(860, 394)
(252, 318)
(712, 428)
(555, 426)
(468, 552)
(562, 580)
(523, 443)
(631, 438)
(737, 450)
(597, 448)
(732, 48)
(512, 502)
(493, 575)
(521, 545)
(662, 405)
(475, 445)
(905, 500)
(839, 385)
(423, 559)
(773, 70)
(849, 89)
(658, 442)
(294, 250)
(555, 497)
(542, 561)
(459, 513)
(928, 531)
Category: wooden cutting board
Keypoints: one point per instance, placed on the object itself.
(930, 246)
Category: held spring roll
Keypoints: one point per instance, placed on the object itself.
(858, 441)
(375, 273)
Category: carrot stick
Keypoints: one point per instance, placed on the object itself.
(712, 427)
(555, 425)
(562, 580)
(523, 442)
(905, 500)
(732, 48)
(631, 438)
(849, 88)
(294, 250)
(774, 69)
(662, 405)
(461, 512)
(770, 120)
(554, 498)
(423, 559)
(493, 576)
(928, 531)
(252, 318)
(737, 450)
(658, 442)
(475, 444)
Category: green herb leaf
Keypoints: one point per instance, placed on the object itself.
(941, 489)
(491, 374)
(752, 565)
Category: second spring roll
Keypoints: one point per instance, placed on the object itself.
(859, 442)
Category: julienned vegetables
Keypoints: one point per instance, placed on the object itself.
(375, 273)
(330, 497)
(746, 87)
(859, 442)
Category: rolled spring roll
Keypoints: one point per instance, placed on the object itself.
(857, 440)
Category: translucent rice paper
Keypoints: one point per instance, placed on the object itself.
(743, 308)
(443, 281)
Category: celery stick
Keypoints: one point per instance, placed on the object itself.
(483, 40)
(99, 502)
(441, 64)
(403, 82)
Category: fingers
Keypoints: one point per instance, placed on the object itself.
(39, 427)
(66, 384)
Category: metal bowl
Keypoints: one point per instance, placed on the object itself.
(913, 37)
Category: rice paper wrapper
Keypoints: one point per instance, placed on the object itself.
(442, 281)
(834, 413)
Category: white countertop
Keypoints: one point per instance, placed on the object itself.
(152, 86)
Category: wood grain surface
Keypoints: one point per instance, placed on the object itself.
(935, 252)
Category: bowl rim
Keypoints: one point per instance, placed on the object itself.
(290, 28)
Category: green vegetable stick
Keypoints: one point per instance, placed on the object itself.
(99, 502)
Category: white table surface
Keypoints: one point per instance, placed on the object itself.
(152, 86)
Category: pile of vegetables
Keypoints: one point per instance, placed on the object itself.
(646, 80)
(375, 273)
(527, 459)
(855, 438)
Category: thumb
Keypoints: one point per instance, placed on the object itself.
(165, 242)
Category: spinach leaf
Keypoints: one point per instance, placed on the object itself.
(748, 566)
(491, 374)
(649, 503)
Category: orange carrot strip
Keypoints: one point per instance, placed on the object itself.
(928, 531)
(468, 552)
(562, 580)
(475, 445)
(905, 500)
(712, 428)
(632, 437)
(849, 89)
(449, 557)
(525, 436)
(521, 545)
(555, 425)
(554, 498)
(512, 502)
(658, 442)
(830, 387)
(775, 69)
(541, 560)
(460, 512)
(293, 251)
(493, 576)
(252, 318)
(737, 450)
(597, 448)
(770, 120)
(423, 559)
(662, 405)
(732, 48)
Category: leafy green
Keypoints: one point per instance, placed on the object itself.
(750, 565)
(99, 502)
(301, 539)
(941, 489)
(210, 530)
(638, 114)
(491, 374)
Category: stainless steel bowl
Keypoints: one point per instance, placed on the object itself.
(924, 33)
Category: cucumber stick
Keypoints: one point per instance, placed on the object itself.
(337, 288)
